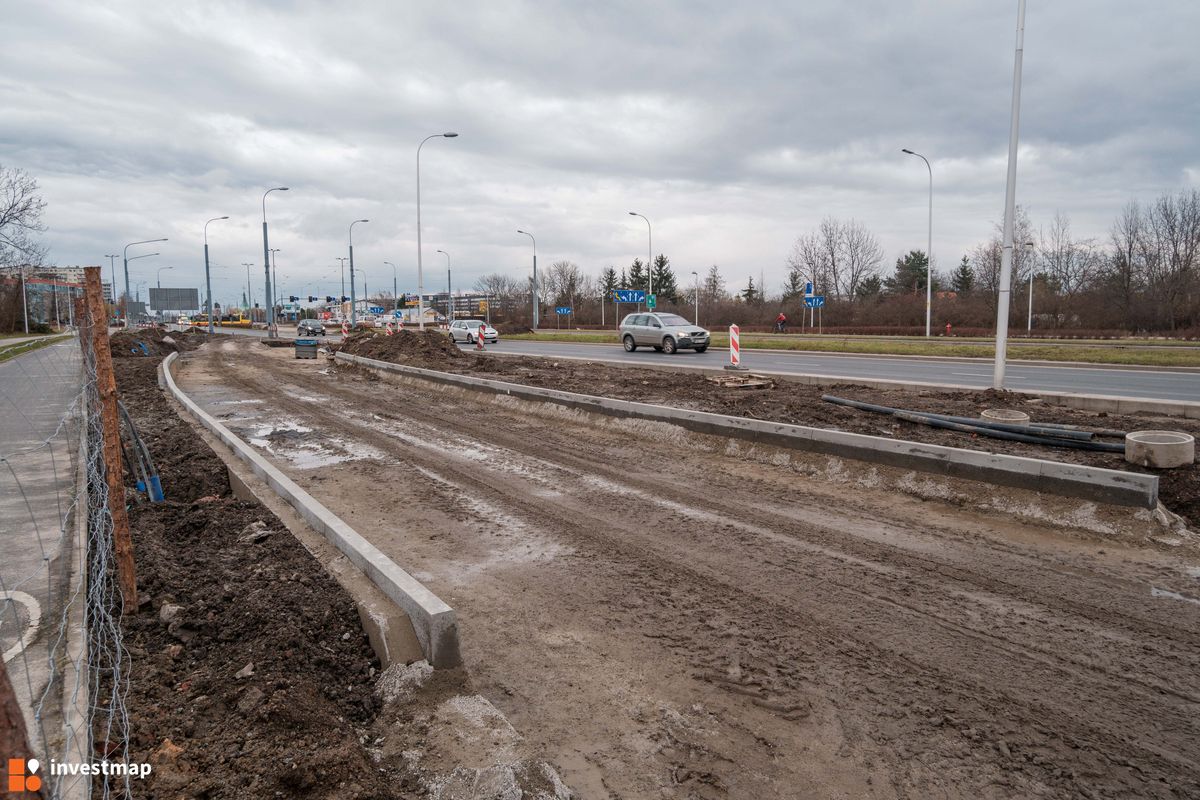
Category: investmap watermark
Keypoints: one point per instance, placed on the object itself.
(26, 775)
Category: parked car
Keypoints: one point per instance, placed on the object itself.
(665, 332)
(310, 327)
(468, 330)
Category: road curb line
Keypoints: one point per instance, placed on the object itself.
(1111, 404)
(1078, 481)
(434, 622)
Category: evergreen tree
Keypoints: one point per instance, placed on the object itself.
(751, 295)
(608, 282)
(910, 274)
(714, 285)
(963, 278)
(665, 286)
(637, 275)
(794, 286)
(871, 286)
(624, 280)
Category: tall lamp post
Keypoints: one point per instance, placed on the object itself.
(158, 278)
(696, 275)
(395, 288)
(272, 330)
(249, 290)
(112, 272)
(275, 283)
(207, 275)
(1010, 195)
(353, 313)
(125, 257)
(1029, 324)
(649, 252)
(535, 282)
(928, 248)
(139, 283)
(420, 271)
(449, 297)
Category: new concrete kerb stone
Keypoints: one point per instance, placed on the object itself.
(433, 621)
(1052, 477)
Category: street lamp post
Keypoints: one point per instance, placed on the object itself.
(1029, 323)
(395, 288)
(1010, 193)
(139, 283)
(696, 275)
(158, 279)
(275, 283)
(649, 253)
(269, 299)
(928, 248)
(420, 271)
(249, 290)
(207, 276)
(535, 281)
(353, 313)
(449, 300)
(125, 257)
(112, 273)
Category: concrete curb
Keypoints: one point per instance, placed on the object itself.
(1111, 404)
(434, 622)
(1069, 480)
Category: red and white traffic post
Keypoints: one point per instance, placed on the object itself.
(735, 349)
(345, 328)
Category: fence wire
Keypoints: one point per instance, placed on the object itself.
(60, 602)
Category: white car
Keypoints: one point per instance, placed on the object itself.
(468, 330)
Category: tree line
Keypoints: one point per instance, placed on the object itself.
(1143, 277)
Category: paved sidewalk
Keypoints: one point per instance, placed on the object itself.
(39, 441)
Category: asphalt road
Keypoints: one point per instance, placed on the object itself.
(1158, 384)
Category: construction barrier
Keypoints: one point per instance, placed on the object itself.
(735, 349)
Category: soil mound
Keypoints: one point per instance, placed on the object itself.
(431, 349)
(142, 342)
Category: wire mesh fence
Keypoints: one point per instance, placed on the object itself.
(60, 600)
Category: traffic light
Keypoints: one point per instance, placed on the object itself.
(345, 299)
(312, 299)
(293, 299)
(329, 299)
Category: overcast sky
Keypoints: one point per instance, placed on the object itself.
(735, 127)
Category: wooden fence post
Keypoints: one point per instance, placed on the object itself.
(106, 386)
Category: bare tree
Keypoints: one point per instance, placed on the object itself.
(499, 285)
(1126, 273)
(713, 289)
(1171, 248)
(1069, 263)
(861, 257)
(21, 210)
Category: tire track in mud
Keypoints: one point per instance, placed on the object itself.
(630, 556)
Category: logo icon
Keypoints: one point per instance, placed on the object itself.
(22, 775)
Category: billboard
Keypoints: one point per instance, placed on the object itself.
(174, 299)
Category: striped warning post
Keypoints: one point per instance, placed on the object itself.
(389, 330)
(735, 348)
(479, 338)
(345, 328)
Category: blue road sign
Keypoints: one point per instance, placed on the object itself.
(808, 289)
(629, 296)
(815, 301)
(562, 310)
(376, 309)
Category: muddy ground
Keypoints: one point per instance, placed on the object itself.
(251, 674)
(799, 404)
(678, 616)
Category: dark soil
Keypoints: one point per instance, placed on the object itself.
(293, 728)
(154, 342)
(431, 349)
(801, 404)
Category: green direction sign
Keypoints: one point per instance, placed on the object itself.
(651, 300)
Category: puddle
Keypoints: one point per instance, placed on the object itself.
(1156, 592)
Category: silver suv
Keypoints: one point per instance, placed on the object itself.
(665, 332)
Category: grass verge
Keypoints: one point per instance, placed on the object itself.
(12, 351)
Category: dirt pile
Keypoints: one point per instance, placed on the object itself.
(143, 342)
(251, 674)
(431, 349)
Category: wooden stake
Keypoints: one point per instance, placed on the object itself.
(106, 385)
(14, 744)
